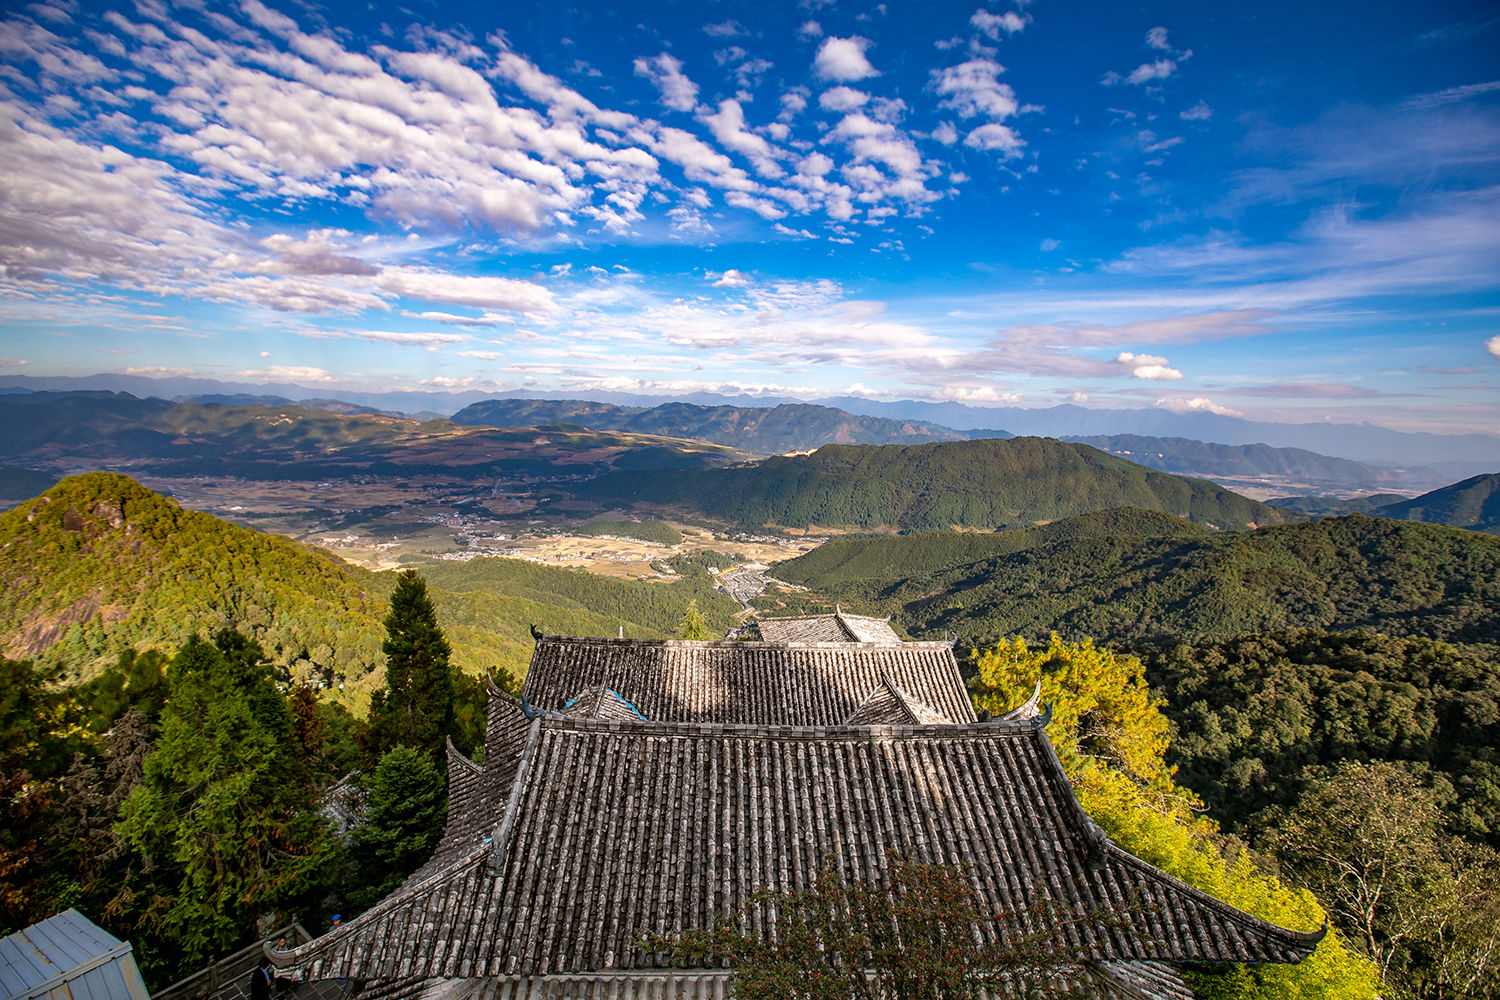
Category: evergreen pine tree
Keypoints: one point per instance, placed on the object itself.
(403, 822)
(693, 624)
(224, 811)
(416, 707)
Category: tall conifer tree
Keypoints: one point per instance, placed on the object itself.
(416, 707)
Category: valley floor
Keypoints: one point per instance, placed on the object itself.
(377, 521)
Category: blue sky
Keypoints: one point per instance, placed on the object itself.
(1285, 211)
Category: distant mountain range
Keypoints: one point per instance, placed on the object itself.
(1454, 455)
(764, 430)
(297, 442)
(1473, 504)
(988, 484)
(1186, 457)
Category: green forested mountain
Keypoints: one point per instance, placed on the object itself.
(1340, 574)
(842, 561)
(298, 442)
(99, 563)
(1473, 504)
(761, 429)
(985, 484)
(647, 531)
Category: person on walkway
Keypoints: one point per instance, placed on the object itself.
(260, 981)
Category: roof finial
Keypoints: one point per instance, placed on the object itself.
(622, 631)
(535, 634)
(836, 607)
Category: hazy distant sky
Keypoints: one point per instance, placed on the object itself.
(1285, 210)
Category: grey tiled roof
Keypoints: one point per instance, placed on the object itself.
(612, 827)
(1118, 980)
(837, 627)
(761, 683)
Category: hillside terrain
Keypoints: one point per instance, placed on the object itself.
(988, 484)
(763, 430)
(1473, 504)
(1186, 457)
(99, 563)
(295, 442)
(22, 484)
(1125, 584)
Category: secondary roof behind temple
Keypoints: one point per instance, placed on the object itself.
(767, 683)
(837, 627)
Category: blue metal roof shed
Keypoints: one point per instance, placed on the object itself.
(68, 957)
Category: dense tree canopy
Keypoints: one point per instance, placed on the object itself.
(1346, 573)
(983, 484)
(1112, 739)
(225, 802)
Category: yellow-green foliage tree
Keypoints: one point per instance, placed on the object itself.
(1112, 739)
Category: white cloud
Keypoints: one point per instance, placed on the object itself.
(731, 279)
(810, 29)
(431, 341)
(972, 88)
(992, 24)
(842, 99)
(1157, 39)
(287, 373)
(1452, 95)
(1197, 405)
(726, 29)
(699, 161)
(1199, 112)
(12, 363)
(459, 290)
(843, 60)
(945, 133)
(996, 137)
(1146, 72)
(665, 72)
(1492, 345)
(728, 127)
(1049, 245)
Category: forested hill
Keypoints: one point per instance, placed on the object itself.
(1473, 504)
(1342, 574)
(99, 563)
(764, 430)
(987, 484)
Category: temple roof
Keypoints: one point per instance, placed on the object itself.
(764, 683)
(612, 826)
(837, 627)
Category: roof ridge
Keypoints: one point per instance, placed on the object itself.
(739, 644)
(1227, 910)
(945, 730)
(293, 956)
(455, 754)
